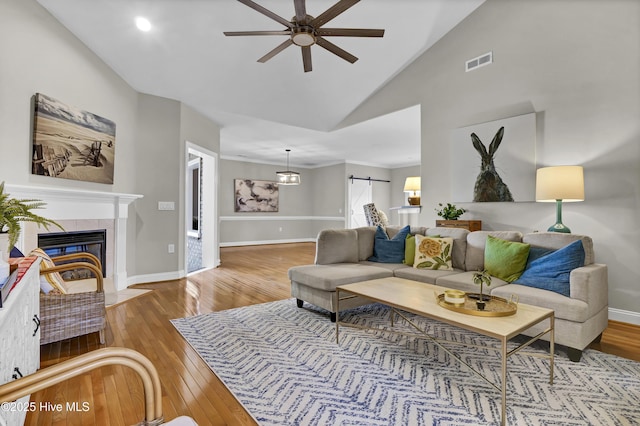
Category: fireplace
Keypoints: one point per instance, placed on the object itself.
(61, 243)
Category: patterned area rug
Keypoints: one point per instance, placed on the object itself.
(283, 365)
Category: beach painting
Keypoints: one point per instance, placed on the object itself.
(256, 195)
(70, 143)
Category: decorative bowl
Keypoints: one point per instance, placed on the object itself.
(455, 297)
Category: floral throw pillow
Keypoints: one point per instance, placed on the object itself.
(433, 253)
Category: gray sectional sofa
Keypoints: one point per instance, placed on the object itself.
(341, 258)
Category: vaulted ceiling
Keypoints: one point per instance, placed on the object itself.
(264, 108)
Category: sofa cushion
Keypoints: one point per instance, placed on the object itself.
(433, 253)
(476, 241)
(336, 246)
(565, 308)
(459, 236)
(505, 259)
(388, 266)
(552, 271)
(366, 236)
(328, 277)
(389, 250)
(392, 230)
(428, 276)
(464, 282)
(556, 240)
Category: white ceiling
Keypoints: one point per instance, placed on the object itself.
(264, 108)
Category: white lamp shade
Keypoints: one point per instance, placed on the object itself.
(564, 183)
(412, 184)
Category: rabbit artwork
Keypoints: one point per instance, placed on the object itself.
(489, 185)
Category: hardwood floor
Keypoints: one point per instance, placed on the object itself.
(248, 275)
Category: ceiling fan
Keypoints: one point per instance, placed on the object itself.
(305, 31)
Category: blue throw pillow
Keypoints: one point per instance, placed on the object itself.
(551, 271)
(387, 250)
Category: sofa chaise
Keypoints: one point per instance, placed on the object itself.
(342, 257)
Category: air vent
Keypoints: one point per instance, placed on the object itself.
(479, 61)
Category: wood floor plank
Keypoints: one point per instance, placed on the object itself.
(247, 276)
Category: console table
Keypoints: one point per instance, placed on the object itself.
(470, 225)
(20, 339)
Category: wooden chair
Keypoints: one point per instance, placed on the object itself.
(80, 311)
(81, 364)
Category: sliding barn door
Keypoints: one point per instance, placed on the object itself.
(360, 193)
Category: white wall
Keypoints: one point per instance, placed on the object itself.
(575, 64)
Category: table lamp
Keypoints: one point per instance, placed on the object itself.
(559, 183)
(412, 184)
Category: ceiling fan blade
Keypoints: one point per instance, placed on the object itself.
(256, 33)
(332, 12)
(301, 10)
(350, 32)
(266, 12)
(275, 51)
(335, 50)
(306, 58)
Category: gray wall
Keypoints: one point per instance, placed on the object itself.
(574, 63)
(158, 178)
(39, 55)
(320, 202)
(291, 221)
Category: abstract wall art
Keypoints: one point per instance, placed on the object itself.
(256, 195)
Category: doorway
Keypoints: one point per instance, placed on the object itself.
(201, 213)
(360, 193)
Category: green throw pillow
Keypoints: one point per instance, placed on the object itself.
(409, 249)
(505, 259)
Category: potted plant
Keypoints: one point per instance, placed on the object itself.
(450, 211)
(481, 278)
(12, 212)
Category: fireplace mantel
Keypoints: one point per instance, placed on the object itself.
(81, 205)
(93, 203)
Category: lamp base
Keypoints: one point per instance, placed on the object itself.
(559, 227)
(414, 201)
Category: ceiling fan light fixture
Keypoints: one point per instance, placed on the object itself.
(303, 36)
(288, 177)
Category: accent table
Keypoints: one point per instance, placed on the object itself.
(420, 299)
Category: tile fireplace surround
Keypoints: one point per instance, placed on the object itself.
(79, 210)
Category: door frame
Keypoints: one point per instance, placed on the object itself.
(209, 228)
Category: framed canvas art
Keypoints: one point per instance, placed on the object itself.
(494, 161)
(256, 195)
(70, 143)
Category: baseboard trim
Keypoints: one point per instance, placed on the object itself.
(265, 242)
(624, 316)
(152, 278)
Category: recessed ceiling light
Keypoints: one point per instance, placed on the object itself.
(143, 24)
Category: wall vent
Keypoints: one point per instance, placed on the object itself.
(479, 61)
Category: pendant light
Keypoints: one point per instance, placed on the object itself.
(288, 177)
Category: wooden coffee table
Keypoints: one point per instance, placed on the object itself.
(420, 299)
